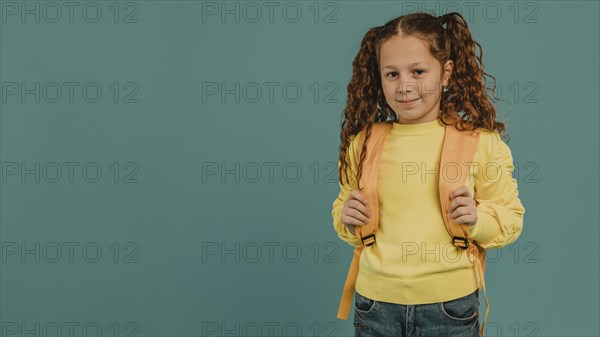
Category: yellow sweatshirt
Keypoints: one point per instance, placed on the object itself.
(413, 260)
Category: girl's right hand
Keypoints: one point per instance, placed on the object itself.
(355, 212)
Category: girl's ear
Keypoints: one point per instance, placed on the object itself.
(447, 72)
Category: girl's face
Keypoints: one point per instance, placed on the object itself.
(412, 79)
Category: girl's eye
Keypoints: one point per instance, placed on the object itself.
(421, 71)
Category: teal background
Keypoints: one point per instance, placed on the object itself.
(161, 216)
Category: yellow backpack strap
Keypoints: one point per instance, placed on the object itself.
(348, 294)
(458, 152)
(379, 132)
(368, 179)
(457, 155)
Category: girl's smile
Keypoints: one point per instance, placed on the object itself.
(408, 103)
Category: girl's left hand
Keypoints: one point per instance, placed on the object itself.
(463, 208)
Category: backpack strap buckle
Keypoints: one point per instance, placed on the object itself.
(461, 242)
(368, 240)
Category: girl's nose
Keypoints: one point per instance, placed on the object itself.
(406, 88)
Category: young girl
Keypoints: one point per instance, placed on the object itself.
(421, 73)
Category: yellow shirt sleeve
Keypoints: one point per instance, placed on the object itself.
(345, 189)
(499, 209)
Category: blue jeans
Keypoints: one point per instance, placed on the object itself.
(455, 318)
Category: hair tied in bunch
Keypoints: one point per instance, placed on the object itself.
(442, 19)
